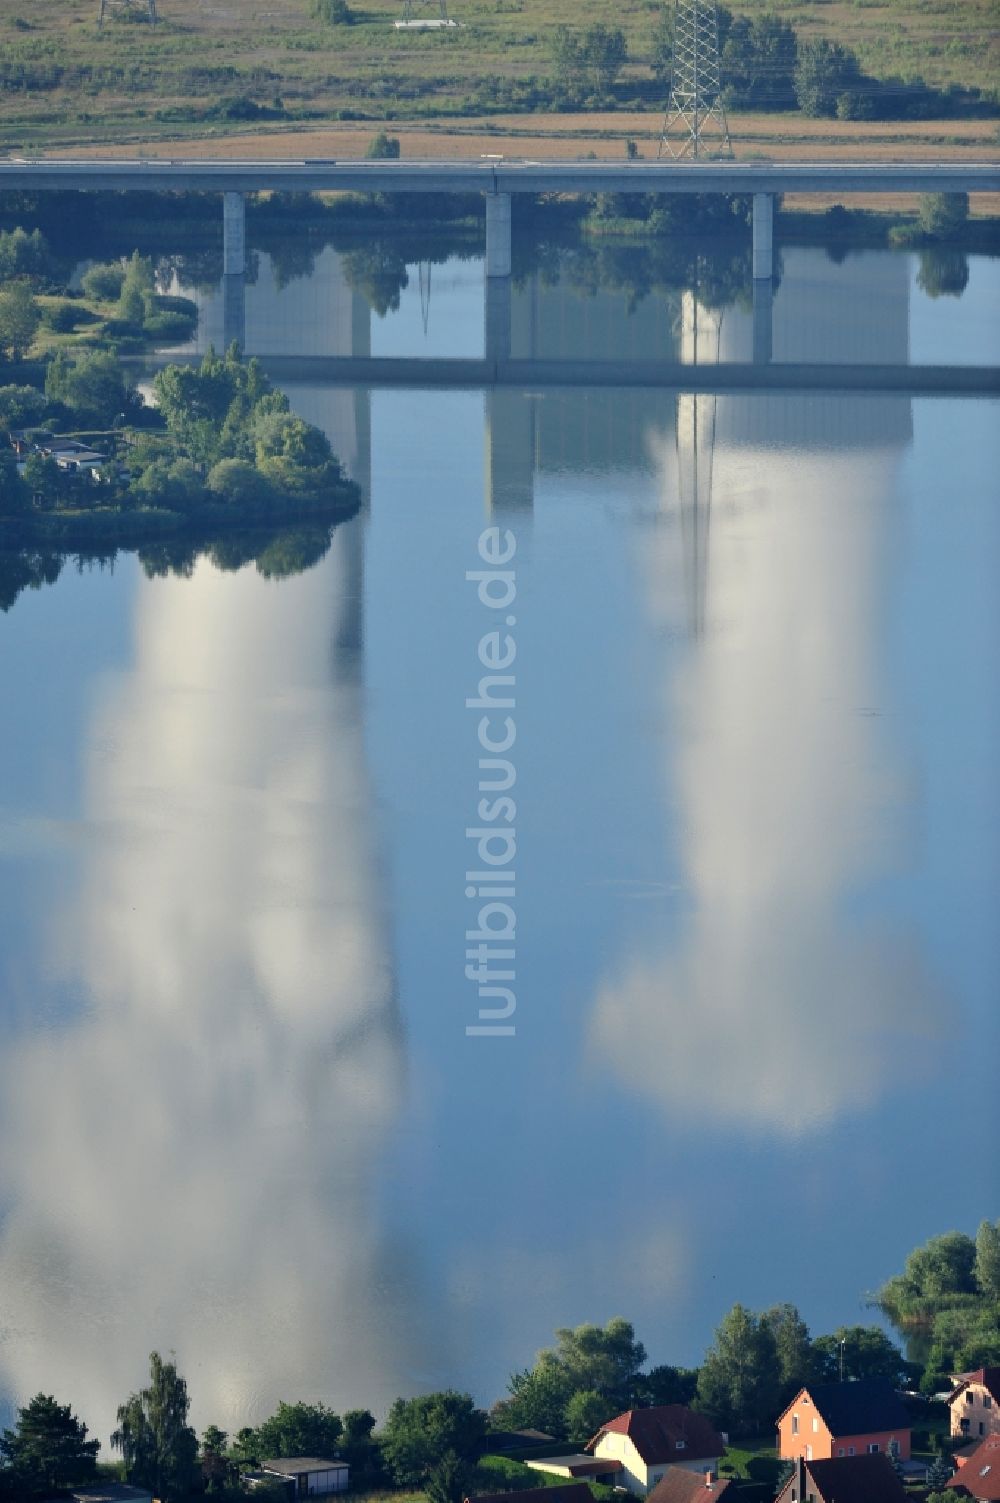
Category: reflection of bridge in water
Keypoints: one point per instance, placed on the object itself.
(577, 377)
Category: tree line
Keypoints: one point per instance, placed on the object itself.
(765, 65)
(949, 1289)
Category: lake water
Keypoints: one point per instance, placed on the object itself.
(756, 880)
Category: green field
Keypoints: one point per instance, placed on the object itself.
(62, 80)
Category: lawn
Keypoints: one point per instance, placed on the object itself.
(64, 80)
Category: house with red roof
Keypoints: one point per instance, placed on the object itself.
(975, 1403)
(978, 1474)
(680, 1486)
(840, 1420)
(870, 1478)
(648, 1443)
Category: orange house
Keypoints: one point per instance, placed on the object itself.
(827, 1420)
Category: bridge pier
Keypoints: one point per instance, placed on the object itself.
(763, 236)
(234, 234)
(498, 235)
(497, 320)
(234, 319)
(763, 320)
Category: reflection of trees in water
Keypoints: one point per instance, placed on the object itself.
(277, 553)
(26, 569)
(640, 268)
(943, 272)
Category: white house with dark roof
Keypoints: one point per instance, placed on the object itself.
(646, 1443)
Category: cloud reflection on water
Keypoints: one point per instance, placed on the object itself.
(778, 1004)
(190, 1164)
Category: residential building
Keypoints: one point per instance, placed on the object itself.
(646, 1442)
(313, 1476)
(870, 1478)
(975, 1403)
(681, 1486)
(831, 1420)
(978, 1474)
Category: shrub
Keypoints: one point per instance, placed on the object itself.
(333, 12)
(168, 325)
(236, 482)
(383, 147)
(103, 282)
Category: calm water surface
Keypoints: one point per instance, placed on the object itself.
(758, 726)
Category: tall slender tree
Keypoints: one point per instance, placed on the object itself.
(159, 1446)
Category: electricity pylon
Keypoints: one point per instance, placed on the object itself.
(695, 113)
(128, 7)
(412, 10)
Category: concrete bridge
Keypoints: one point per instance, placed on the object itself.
(498, 181)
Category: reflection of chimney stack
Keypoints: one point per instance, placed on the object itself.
(799, 1491)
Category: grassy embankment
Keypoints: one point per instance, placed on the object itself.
(64, 81)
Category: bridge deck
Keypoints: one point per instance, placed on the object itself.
(312, 176)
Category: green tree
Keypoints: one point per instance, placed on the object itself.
(333, 12)
(939, 1473)
(19, 319)
(448, 1479)
(586, 1411)
(739, 1381)
(796, 1363)
(948, 1496)
(20, 406)
(758, 63)
(214, 1441)
(245, 1447)
(418, 1431)
(299, 1429)
(823, 72)
(383, 147)
(103, 281)
(237, 482)
(137, 298)
(360, 1450)
(48, 1448)
(158, 1445)
(46, 483)
(867, 1353)
(987, 1265)
(24, 255)
(604, 54)
(15, 497)
(91, 384)
(943, 215)
(536, 1399)
(666, 1385)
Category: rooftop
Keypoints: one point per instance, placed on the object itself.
(291, 1466)
(860, 1408)
(980, 1472)
(852, 1479)
(680, 1486)
(572, 1492)
(666, 1432)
